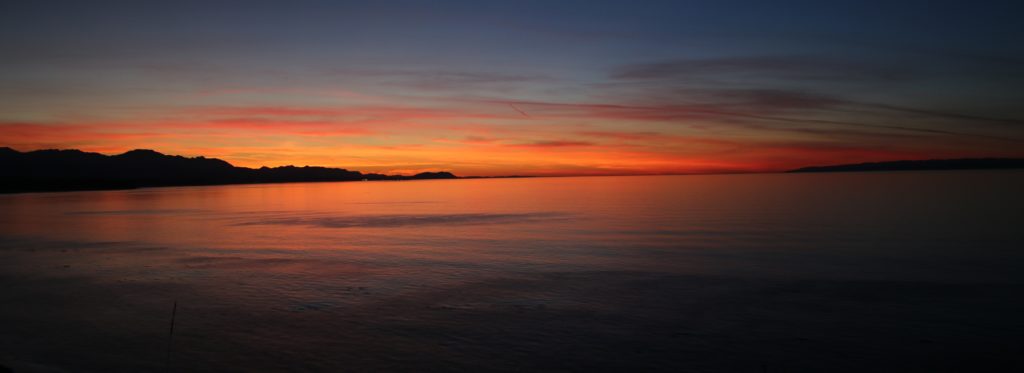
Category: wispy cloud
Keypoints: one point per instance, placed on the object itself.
(432, 80)
(627, 135)
(348, 113)
(769, 67)
(670, 113)
(554, 144)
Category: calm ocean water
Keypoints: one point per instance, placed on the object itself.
(913, 271)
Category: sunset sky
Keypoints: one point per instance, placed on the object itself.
(517, 87)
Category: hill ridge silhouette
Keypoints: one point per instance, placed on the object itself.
(73, 169)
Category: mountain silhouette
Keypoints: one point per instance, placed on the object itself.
(62, 170)
(929, 164)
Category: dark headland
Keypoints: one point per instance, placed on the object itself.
(922, 165)
(65, 170)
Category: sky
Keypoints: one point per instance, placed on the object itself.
(517, 87)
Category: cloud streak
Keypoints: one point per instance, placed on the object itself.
(698, 112)
(814, 68)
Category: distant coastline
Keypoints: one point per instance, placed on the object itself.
(55, 170)
(921, 165)
(69, 170)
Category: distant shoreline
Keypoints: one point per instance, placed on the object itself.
(74, 170)
(921, 165)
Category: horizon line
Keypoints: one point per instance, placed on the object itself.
(722, 172)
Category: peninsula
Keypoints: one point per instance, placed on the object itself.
(919, 165)
(66, 170)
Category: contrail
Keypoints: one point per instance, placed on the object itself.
(517, 109)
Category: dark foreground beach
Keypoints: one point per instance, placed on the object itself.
(731, 273)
